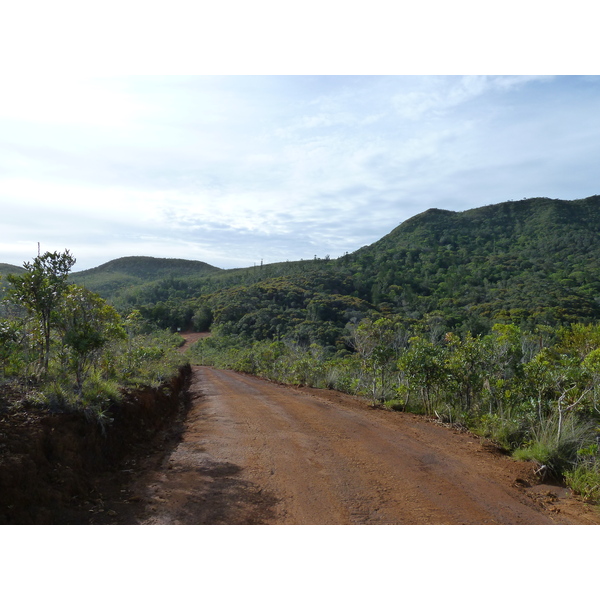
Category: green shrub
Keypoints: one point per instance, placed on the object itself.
(148, 360)
(99, 391)
(507, 431)
(539, 452)
(556, 448)
(58, 393)
(395, 404)
(585, 481)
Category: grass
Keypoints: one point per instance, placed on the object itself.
(585, 481)
(506, 430)
(557, 451)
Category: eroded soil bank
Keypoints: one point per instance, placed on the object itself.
(50, 464)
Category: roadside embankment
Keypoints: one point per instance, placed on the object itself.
(48, 460)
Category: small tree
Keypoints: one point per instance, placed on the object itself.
(375, 344)
(87, 323)
(40, 291)
(424, 369)
(467, 363)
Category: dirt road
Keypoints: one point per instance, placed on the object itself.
(253, 452)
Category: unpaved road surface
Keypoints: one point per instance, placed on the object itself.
(253, 452)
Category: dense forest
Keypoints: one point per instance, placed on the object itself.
(487, 318)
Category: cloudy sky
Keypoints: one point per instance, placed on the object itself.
(235, 132)
(234, 169)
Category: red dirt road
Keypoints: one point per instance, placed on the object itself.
(254, 452)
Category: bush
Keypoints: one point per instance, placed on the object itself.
(98, 391)
(585, 481)
(58, 393)
(395, 404)
(555, 451)
(507, 431)
(146, 359)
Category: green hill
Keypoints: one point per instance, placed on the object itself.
(535, 260)
(531, 262)
(121, 274)
(5, 269)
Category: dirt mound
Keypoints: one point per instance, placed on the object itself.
(48, 460)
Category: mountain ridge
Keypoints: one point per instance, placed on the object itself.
(127, 271)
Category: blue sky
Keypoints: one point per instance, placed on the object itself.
(215, 136)
(234, 169)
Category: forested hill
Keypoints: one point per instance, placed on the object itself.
(540, 219)
(535, 260)
(117, 275)
(6, 269)
(531, 262)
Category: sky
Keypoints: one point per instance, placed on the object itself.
(232, 170)
(233, 166)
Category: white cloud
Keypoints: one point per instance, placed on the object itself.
(435, 97)
(234, 169)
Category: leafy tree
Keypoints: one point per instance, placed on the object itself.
(202, 318)
(468, 361)
(424, 369)
(377, 344)
(87, 323)
(579, 339)
(505, 355)
(40, 291)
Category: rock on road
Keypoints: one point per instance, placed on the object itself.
(255, 452)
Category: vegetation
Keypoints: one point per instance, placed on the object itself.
(532, 262)
(40, 291)
(63, 346)
(115, 278)
(487, 318)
